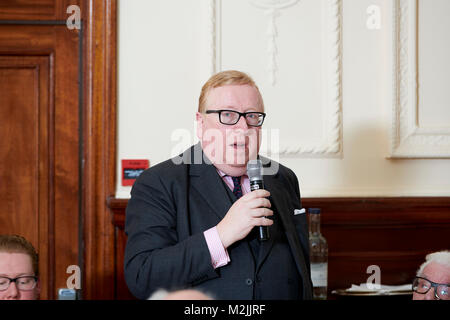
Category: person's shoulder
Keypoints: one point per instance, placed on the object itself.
(285, 175)
(167, 169)
(272, 167)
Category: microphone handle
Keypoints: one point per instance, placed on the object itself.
(263, 232)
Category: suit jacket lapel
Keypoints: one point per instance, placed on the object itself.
(270, 184)
(206, 180)
(296, 249)
(279, 200)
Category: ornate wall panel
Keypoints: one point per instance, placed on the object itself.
(292, 49)
(410, 138)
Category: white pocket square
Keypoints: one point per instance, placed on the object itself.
(299, 211)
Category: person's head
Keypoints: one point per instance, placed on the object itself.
(433, 277)
(184, 294)
(19, 269)
(227, 143)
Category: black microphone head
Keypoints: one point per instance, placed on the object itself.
(254, 170)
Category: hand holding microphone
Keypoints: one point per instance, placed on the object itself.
(248, 212)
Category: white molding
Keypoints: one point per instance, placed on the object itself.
(272, 10)
(331, 144)
(408, 140)
(214, 31)
(273, 4)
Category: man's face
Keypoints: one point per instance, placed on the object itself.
(13, 265)
(229, 147)
(434, 272)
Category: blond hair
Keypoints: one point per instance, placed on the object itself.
(229, 77)
(18, 244)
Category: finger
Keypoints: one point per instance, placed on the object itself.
(263, 222)
(260, 203)
(261, 193)
(262, 212)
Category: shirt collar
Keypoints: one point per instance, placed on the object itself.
(223, 174)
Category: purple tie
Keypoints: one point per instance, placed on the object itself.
(237, 187)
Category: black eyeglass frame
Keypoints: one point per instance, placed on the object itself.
(15, 281)
(433, 285)
(244, 114)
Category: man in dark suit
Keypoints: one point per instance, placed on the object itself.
(192, 220)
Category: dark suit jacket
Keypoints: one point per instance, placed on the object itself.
(173, 203)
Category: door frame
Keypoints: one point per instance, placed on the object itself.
(99, 148)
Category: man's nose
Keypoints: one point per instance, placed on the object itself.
(242, 123)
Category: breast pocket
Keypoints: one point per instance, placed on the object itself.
(300, 221)
(301, 226)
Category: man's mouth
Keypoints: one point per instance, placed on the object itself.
(238, 145)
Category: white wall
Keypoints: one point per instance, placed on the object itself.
(356, 125)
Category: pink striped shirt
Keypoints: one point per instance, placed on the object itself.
(219, 255)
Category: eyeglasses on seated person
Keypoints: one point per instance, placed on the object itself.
(423, 285)
(23, 283)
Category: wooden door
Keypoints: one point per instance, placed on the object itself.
(40, 136)
(58, 137)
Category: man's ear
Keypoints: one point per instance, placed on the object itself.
(199, 119)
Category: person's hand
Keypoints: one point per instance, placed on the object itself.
(249, 211)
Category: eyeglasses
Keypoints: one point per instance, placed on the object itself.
(23, 283)
(231, 117)
(423, 285)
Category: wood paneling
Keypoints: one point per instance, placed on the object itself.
(35, 10)
(117, 217)
(392, 233)
(24, 149)
(99, 148)
(35, 30)
(40, 150)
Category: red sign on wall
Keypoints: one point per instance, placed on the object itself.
(131, 169)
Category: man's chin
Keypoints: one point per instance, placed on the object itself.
(232, 170)
(235, 165)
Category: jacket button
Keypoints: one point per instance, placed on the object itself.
(249, 282)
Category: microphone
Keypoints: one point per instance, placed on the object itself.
(254, 172)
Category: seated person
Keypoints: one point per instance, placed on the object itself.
(433, 278)
(18, 269)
